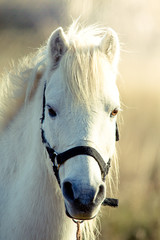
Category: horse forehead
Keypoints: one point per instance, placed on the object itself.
(57, 87)
(56, 84)
(111, 94)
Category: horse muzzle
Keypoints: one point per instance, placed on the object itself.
(82, 202)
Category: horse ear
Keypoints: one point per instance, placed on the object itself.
(110, 46)
(58, 45)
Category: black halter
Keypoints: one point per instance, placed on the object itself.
(60, 158)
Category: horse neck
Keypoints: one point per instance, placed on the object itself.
(29, 167)
(20, 137)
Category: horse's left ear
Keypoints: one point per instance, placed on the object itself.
(57, 46)
(110, 46)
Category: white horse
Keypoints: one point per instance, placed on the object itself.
(64, 96)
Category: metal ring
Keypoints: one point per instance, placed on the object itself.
(77, 221)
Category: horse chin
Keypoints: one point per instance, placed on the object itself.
(81, 215)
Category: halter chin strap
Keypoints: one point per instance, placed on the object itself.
(60, 158)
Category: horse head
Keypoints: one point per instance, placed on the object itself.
(80, 107)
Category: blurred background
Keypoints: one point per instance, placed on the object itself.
(26, 25)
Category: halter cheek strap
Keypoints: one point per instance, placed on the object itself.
(117, 133)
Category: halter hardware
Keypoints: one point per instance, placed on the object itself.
(60, 158)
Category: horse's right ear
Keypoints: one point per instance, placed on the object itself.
(57, 46)
(110, 46)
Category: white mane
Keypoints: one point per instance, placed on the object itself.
(19, 82)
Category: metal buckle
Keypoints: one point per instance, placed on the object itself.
(55, 160)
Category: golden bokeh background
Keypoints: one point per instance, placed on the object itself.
(26, 25)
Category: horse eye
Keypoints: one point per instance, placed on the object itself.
(114, 112)
(51, 112)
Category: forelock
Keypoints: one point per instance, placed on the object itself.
(84, 65)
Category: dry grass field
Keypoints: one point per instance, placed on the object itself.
(24, 26)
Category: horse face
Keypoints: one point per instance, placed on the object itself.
(68, 124)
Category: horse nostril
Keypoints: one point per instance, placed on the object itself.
(84, 195)
(100, 194)
(68, 191)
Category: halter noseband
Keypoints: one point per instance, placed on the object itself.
(60, 158)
